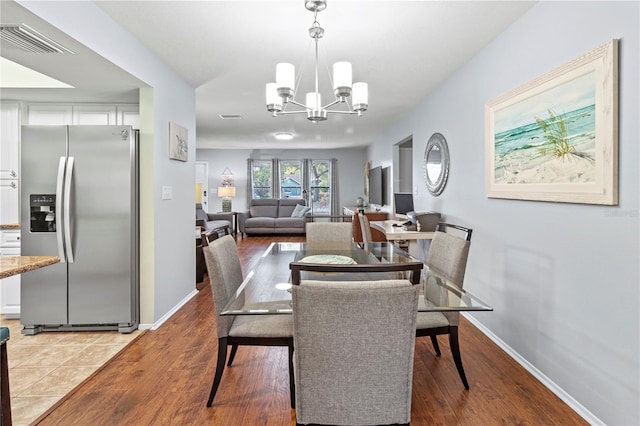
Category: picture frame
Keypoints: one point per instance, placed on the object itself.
(555, 138)
(226, 178)
(178, 142)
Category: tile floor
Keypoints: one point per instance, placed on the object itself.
(45, 367)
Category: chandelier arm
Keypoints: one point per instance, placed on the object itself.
(342, 112)
(293, 101)
(337, 101)
(291, 112)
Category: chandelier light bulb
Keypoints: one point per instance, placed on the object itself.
(274, 101)
(285, 79)
(360, 96)
(342, 80)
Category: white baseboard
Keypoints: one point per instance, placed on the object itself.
(550, 384)
(168, 315)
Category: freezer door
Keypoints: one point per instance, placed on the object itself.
(102, 277)
(43, 293)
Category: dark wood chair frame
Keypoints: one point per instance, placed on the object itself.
(224, 342)
(451, 330)
(5, 407)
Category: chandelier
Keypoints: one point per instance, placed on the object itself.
(282, 92)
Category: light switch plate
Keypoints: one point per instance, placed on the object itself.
(167, 192)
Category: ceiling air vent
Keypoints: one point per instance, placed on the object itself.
(30, 40)
(230, 116)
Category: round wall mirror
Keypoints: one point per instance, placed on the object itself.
(436, 164)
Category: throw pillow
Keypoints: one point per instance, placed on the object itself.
(300, 211)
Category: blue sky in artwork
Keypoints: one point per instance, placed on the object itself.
(566, 97)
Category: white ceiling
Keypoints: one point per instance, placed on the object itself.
(228, 51)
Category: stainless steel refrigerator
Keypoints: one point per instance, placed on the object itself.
(79, 201)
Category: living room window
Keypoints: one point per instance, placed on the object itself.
(312, 180)
(320, 187)
(290, 172)
(261, 179)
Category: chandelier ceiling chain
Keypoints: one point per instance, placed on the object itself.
(282, 92)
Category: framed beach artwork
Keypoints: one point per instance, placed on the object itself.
(556, 137)
(178, 142)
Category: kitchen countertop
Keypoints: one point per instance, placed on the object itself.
(13, 265)
(10, 226)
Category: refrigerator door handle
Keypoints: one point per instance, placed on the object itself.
(67, 211)
(59, 196)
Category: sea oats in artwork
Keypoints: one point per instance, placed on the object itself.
(544, 146)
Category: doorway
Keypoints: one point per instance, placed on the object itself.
(403, 166)
(202, 184)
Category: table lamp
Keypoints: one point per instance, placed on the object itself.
(226, 192)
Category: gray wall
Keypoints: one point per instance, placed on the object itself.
(351, 163)
(563, 278)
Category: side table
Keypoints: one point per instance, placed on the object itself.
(235, 222)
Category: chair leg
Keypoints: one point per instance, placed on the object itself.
(436, 346)
(232, 356)
(292, 381)
(455, 351)
(222, 357)
(5, 410)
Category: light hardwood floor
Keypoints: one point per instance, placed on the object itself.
(164, 378)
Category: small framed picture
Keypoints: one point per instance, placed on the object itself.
(178, 142)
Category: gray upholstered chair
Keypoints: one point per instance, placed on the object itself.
(218, 223)
(329, 231)
(354, 344)
(5, 396)
(447, 257)
(365, 228)
(225, 276)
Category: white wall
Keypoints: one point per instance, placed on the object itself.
(351, 163)
(167, 226)
(563, 278)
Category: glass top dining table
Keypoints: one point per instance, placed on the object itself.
(266, 289)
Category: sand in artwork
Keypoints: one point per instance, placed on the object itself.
(550, 138)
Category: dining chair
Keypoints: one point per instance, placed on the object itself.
(353, 351)
(329, 231)
(448, 258)
(225, 276)
(365, 228)
(5, 396)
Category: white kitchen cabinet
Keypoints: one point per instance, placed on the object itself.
(87, 114)
(9, 201)
(10, 239)
(48, 114)
(10, 287)
(94, 114)
(10, 296)
(10, 140)
(128, 115)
